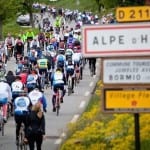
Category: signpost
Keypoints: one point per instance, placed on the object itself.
(116, 40)
(119, 100)
(130, 14)
(129, 70)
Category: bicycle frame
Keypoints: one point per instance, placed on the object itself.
(77, 75)
(21, 145)
(69, 84)
(57, 102)
(43, 80)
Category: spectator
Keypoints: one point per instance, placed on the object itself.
(36, 127)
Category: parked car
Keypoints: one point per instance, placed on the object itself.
(23, 19)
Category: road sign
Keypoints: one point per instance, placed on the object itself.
(132, 14)
(126, 71)
(126, 100)
(116, 40)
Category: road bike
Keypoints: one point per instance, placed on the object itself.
(77, 75)
(58, 99)
(69, 84)
(21, 145)
(43, 79)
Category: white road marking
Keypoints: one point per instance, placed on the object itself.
(75, 118)
(58, 141)
(94, 76)
(91, 84)
(82, 104)
(87, 93)
(63, 134)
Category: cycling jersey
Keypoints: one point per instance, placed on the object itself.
(76, 57)
(42, 63)
(16, 86)
(23, 76)
(21, 105)
(5, 89)
(37, 96)
(50, 47)
(32, 78)
(57, 78)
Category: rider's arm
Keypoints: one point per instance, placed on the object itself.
(64, 79)
(44, 102)
(9, 92)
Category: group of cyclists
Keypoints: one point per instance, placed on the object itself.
(48, 61)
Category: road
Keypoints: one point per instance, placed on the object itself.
(56, 126)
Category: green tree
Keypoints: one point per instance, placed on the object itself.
(7, 10)
(26, 6)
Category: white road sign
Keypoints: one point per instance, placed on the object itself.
(116, 40)
(126, 71)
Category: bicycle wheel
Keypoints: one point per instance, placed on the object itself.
(2, 127)
(1, 124)
(69, 86)
(57, 106)
(75, 80)
(21, 141)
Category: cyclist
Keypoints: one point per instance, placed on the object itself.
(33, 80)
(70, 71)
(60, 59)
(37, 96)
(9, 42)
(51, 55)
(70, 40)
(92, 63)
(10, 77)
(77, 59)
(5, 96)
(57, 24)
(58, 80)
(68, 53)
(16, 87)
(41, 39)
(24, 74)
(19, 48)
(29, 36)
(43, 67)
(21, 111)
(3, 53)
(33, 58)
(19, 66)
(34, 43)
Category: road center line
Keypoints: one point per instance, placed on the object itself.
(75, 118)
(82, 104)
(87, 93)
(58, 141)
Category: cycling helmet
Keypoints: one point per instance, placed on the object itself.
(61, 51)
(2, 78)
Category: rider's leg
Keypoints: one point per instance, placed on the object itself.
(5, 112)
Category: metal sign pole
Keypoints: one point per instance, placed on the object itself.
(137, 133)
